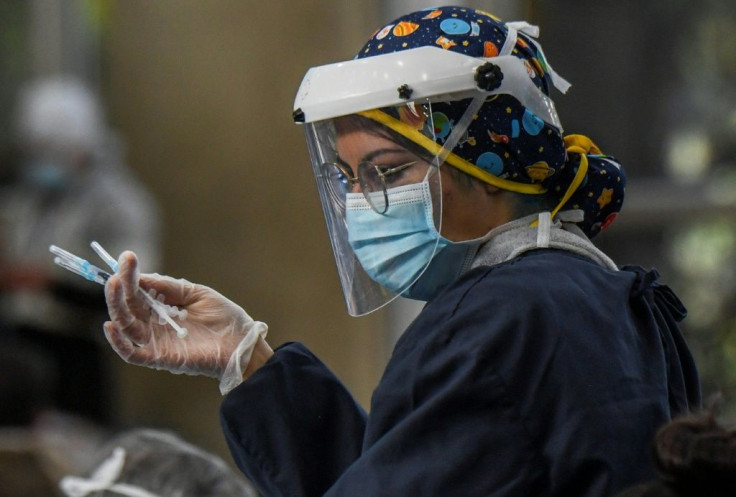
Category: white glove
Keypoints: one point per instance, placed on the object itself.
(221, 335)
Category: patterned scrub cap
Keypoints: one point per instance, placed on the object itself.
(506, 139)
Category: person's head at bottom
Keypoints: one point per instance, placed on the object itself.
(695, 456)
(154, 463)
(439, 132)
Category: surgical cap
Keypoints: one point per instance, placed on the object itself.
(506, 139)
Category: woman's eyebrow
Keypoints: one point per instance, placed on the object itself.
(375, 153)
(370, 156)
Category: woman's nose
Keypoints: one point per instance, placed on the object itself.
(355, 186)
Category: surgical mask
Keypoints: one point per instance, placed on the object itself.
(47, 175)
(401, 249)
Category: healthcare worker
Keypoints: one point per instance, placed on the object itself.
(537, 366)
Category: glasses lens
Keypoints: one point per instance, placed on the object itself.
(338, 182)
(373, 187)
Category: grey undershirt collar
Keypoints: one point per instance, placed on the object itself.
(512, 239)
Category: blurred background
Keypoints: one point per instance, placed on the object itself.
(199, 95)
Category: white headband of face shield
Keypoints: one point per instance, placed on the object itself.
(427, 72)
(103, 479)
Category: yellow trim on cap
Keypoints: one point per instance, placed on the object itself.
(576, 182)
(577, 144)
(582, 145)
(453, 159)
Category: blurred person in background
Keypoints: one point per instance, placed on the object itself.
(538, 366)
(146, 462)
(38, 443)
(70, 187)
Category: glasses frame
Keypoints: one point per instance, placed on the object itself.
(367, 189)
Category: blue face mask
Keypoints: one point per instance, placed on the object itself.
(401, 248)
(46, 175)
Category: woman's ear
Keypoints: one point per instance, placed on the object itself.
(490, 189)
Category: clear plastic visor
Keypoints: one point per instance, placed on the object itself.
(375, 185)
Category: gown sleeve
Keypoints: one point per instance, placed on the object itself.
(292, 428)
(303, 435)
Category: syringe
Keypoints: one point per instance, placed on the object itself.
(75, 264)
(109, 260)
(84, 268)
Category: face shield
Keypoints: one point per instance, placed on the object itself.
(370, 178)
(377, 150)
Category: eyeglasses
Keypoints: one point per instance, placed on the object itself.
(374, 180)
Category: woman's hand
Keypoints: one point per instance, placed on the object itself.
(221, 336)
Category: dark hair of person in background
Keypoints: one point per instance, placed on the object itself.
(695, 456)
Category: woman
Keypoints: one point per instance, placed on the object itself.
(537, 366)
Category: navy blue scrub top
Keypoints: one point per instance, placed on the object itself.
(547, 375)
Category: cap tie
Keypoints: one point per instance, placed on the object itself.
(532, 32)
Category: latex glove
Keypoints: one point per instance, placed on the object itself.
(221, 335)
